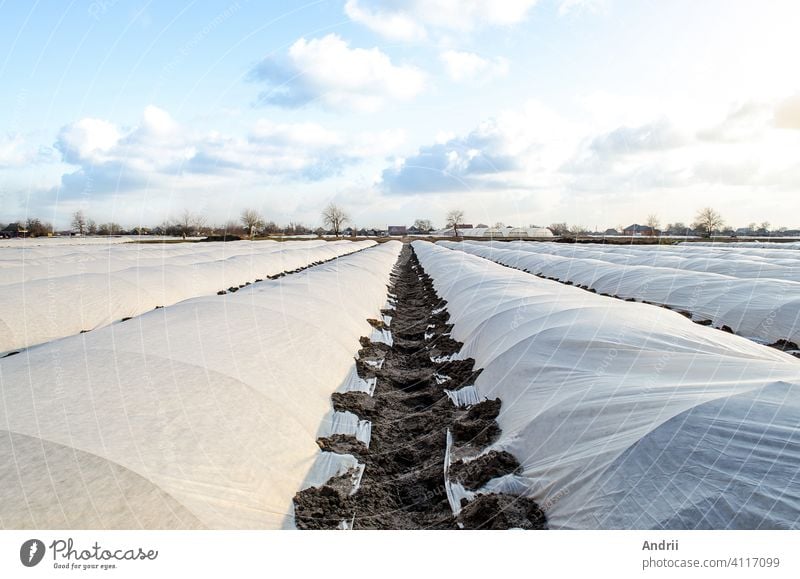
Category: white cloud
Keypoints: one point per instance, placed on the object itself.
(161, 154)
(655, 136)
(516, 150)
(87, 140)
(157, 121)
(394, 25)
(414, 19)
(14, 151)
(328, 71)
(310, 135)
(468, 66)
(537, 154)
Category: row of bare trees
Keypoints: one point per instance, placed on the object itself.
(188, 223)
(707, 221)
(251, 223)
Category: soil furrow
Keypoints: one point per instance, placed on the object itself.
(403, 485)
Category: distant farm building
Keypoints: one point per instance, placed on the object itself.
(640, 230)
(14, 230)
(398, 230)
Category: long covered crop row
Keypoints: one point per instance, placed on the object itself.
(766, 310)
(625, 415)
(752, 263)
(203, 414)
(54, 292)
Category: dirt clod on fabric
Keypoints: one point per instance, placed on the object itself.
(501, 511)
(342, 444)
(475, 473)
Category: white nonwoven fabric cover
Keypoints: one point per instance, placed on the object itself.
(25, 242)
(496, 232)
(625, 415)
(766, 310)
(753, 263)
(750, 244)
(203, 414)
(63, 292)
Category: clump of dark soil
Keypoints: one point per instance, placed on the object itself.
(784, 345)
(501, 511)
(326, 506)
(478, 426)
(475, 473)
(359, 403)
(342, 444)
(403, 486)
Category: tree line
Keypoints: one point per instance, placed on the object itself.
(251, 223)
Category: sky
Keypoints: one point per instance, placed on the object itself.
(594, 112)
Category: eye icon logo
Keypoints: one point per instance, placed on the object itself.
(31, 552)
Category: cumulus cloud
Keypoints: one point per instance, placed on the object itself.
(87, 140)
(631, 158)
(14, 151)
(162, 154)
(414, 19)
(537, 150)
(657, 136)
(468, 66)
(397, 25)
(516, 149)
(326, 70)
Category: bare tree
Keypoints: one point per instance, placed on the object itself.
(251, 220)
(334, 217)
(91, 226)
(653, 222)
(296, 228)
(232, 227)
(709, 220)
(271, 228)
(79, 221)
(185, 223)
(559, 228)
(677, 228)
(37, 228)
(454, 219)
(764, 227)
(110, 228)
(423, 225)
(199, 223)
(576, 230)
